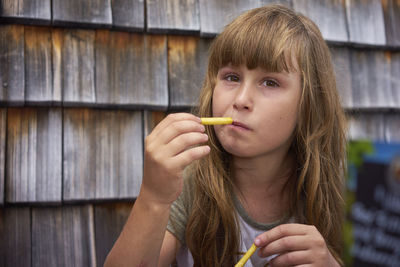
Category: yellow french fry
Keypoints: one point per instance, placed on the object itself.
(216, 120)
(246, 256)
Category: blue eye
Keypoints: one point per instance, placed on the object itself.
(270, 83)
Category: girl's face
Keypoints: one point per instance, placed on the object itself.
(264, 107)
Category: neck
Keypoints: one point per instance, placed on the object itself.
(260, 185)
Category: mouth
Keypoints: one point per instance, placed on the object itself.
(240, 125)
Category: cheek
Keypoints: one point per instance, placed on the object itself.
(219, 103)
(290, 117)
(214, 106)
(289, 124)
(281, 123)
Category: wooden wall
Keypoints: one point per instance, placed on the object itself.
(83, 81)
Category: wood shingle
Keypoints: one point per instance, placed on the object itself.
(365, 22)
(125, 68)
(341, 61)
(367, 126)
(150, 120)
(329, 15)
(109, 221)
(15, 236)
(73, 65)
(33, 155)
(153, 88)
(173, 16)
(214, 15)
(12, 68)
(128, 14)
(391, 11)
(392, 128)
(187, 63)
(370, 70)
(3, 117)
(38, 67)
(89, 13)
(54, 227)
(108, 163)
(395, 77)
(26, 11)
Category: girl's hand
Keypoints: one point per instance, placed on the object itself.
(171, 146)
(295, 245)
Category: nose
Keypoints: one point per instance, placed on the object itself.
(244, 97)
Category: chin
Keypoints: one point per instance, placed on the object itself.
(237, 151)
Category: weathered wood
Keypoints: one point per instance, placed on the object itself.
(173, 16)
(187, 63)
(73, 65)
(367, 126)
(12, 68)
(214, 15)
(38, 67)
(370, 73)
(131, 69)
(102, 154)
(151, 119)
(365, 22)
(109, 220)
(3, 114)
(117, 67)
(26, 11)
(329, 15)
(341, 61)
(392, 128)
(15, 236)
(128, 14)
(34, 152)
(63, 236)
(395, 77)
(391, 13)
(92, 13)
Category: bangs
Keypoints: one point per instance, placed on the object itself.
(271, 41)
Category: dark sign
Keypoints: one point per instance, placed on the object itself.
(376, 211)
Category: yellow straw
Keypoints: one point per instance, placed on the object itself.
(246, 256)
(213, 121)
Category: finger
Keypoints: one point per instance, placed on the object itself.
(188, 156)
(178, 128)
(184, 142)
(156, 142)
(280, 231)
(171, 118)
(293, 258)
(284, 244)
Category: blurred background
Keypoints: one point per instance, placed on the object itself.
(82, 82)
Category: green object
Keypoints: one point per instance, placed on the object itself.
(356, 150)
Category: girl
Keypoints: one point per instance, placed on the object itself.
(272, 178)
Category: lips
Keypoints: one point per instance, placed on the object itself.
(241, 125)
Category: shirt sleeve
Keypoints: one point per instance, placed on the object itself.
(180, 211)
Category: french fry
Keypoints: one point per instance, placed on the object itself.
(216, 120)
(246, 256)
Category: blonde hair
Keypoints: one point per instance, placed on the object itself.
(276, 39)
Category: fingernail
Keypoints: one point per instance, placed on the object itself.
(257, 242)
